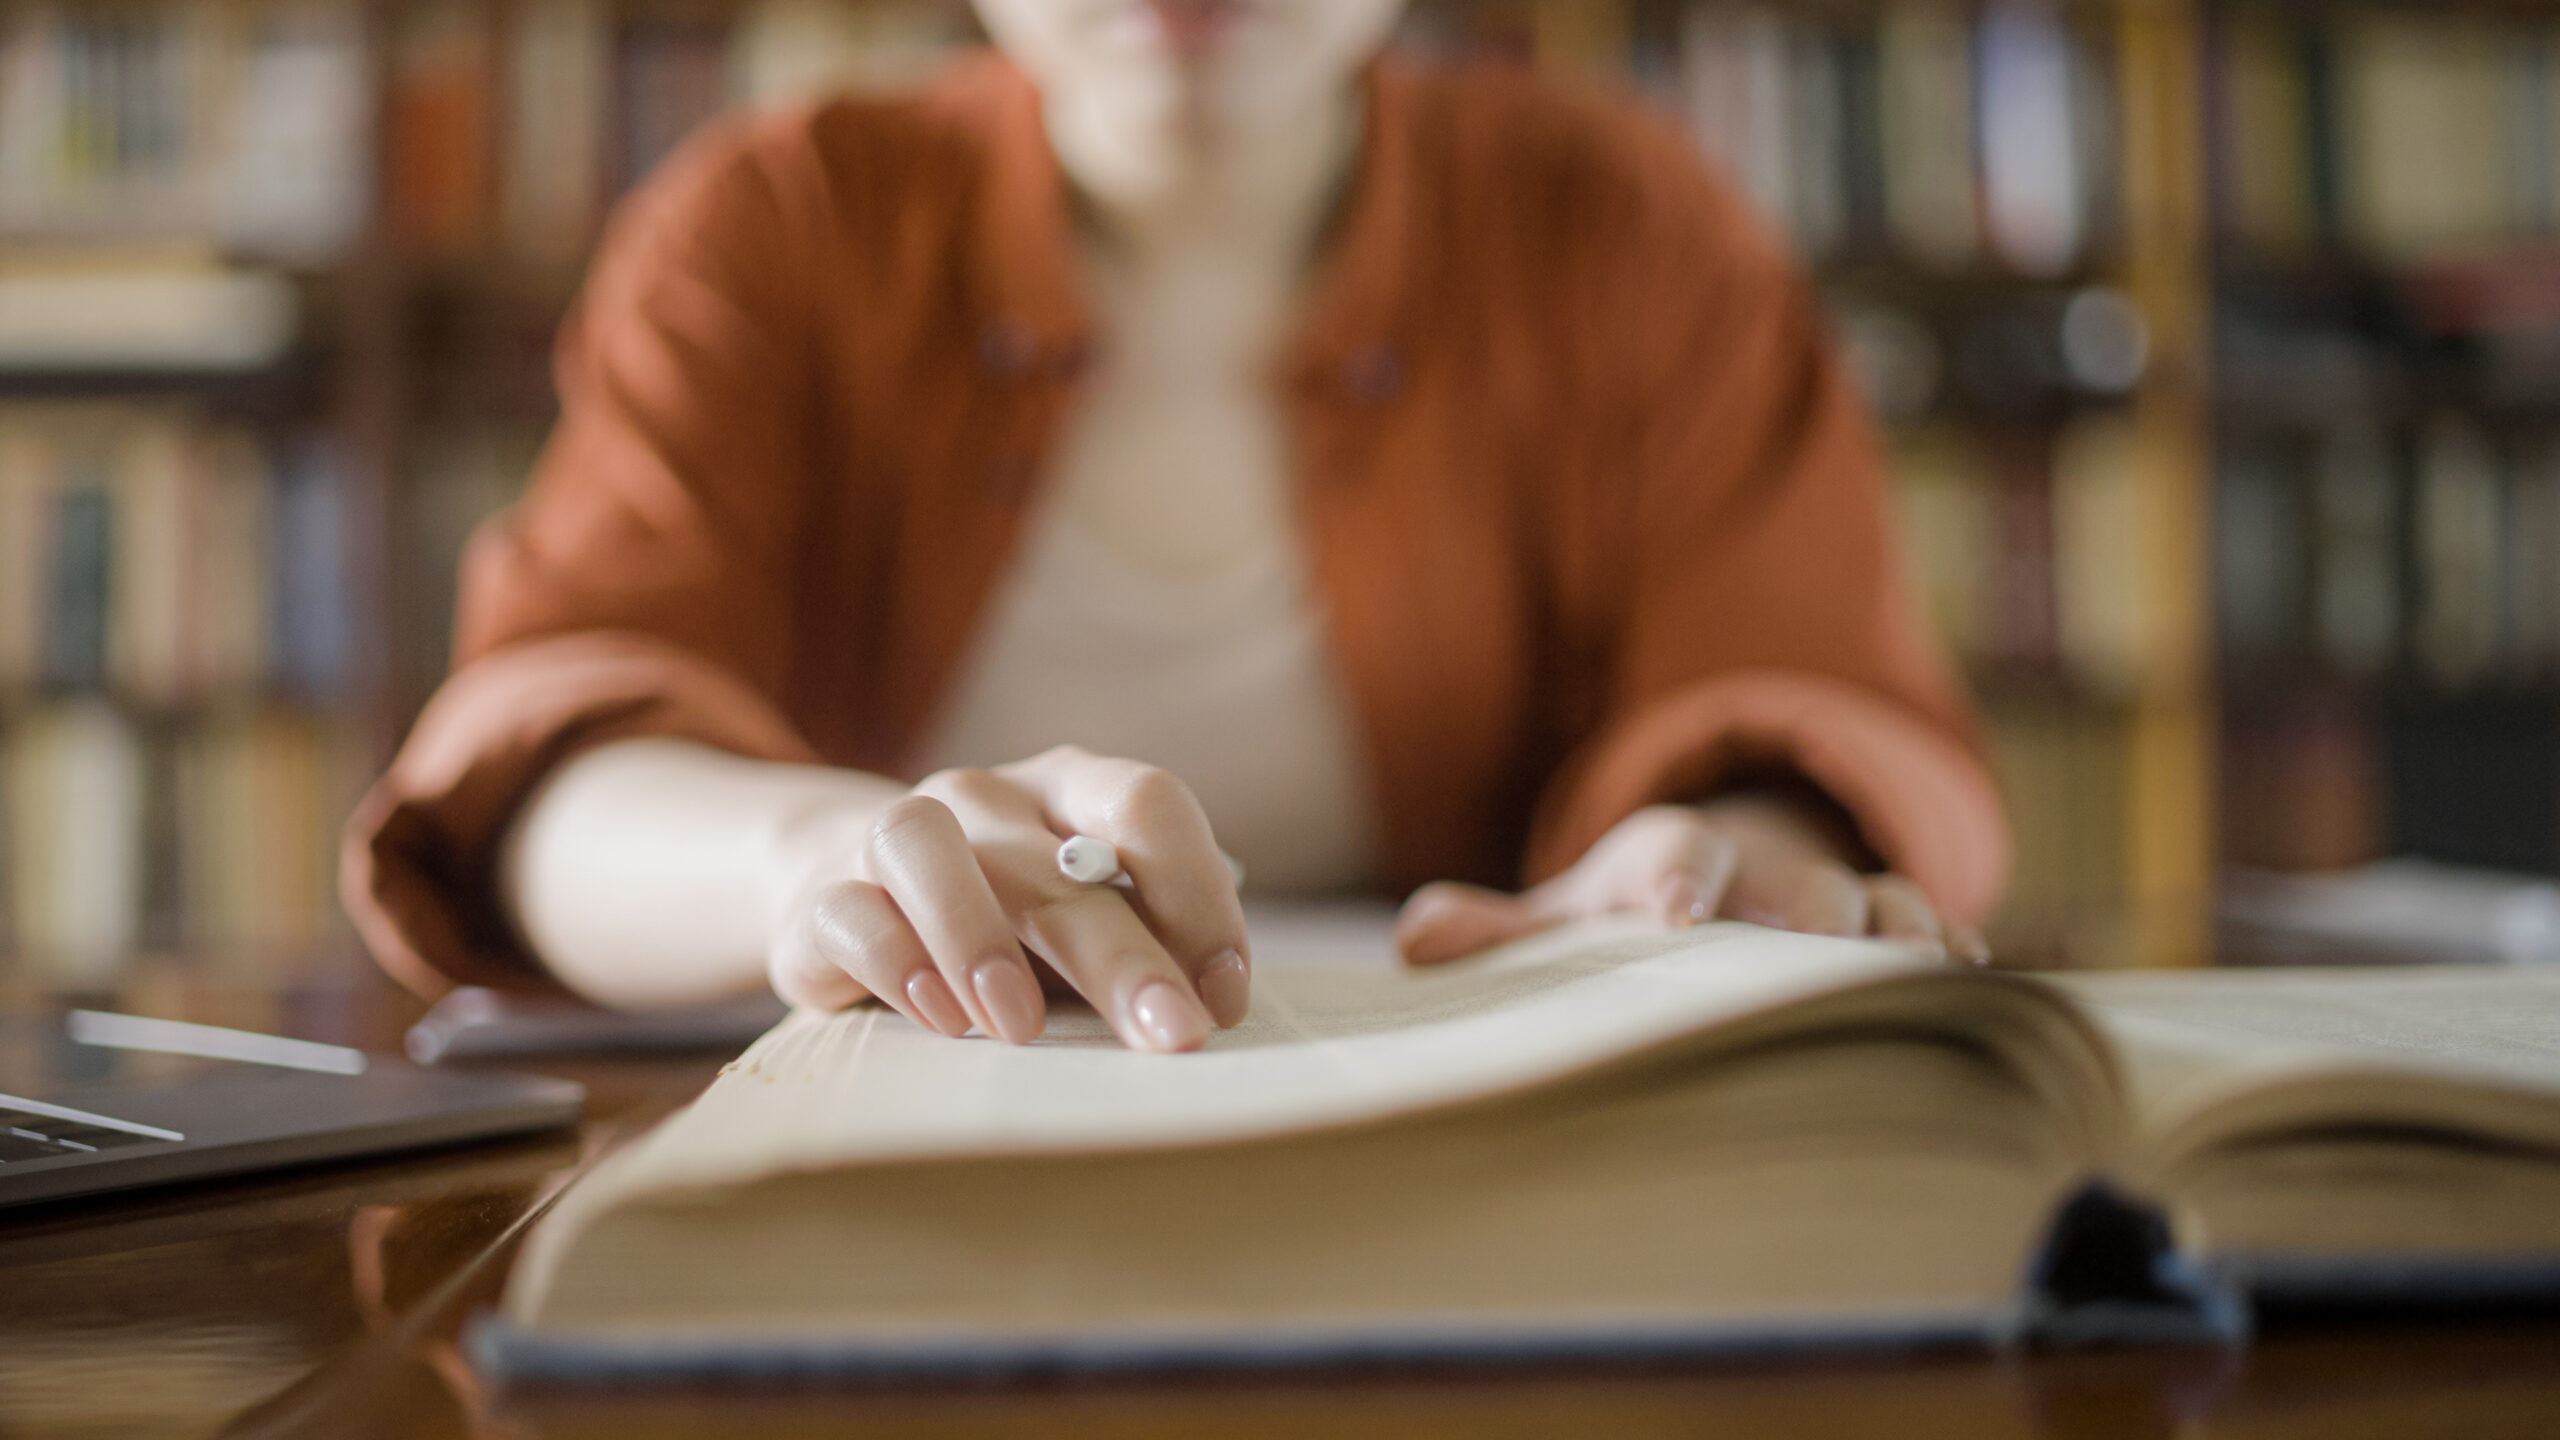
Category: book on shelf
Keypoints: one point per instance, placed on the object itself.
(316, 598)
(2065, 772)
(176, 613)
(2053, 718)
(2460, 508)
(2303, 787)
(2528, 562)
(2101, 623)
(255, 808)
(2395, 133)
(249, 125)
(1602, 1141)
(560, 64)
(520, 125)
(2529, 139)
(1571, 37)
(2356, 559)
(2022, 633)
(2033, 200)
(438, 112)
(2263, 170)
(1818, 114)
(1925, 104)
(1943, 504)
(784, 50)
(1732, 76)
(169, 559)
(26, 558)
(79, 585)
(2259, 570)
(76, 802)
(1927, 130)
(101, 313)
(303, 183)
(458, 479)
(2360, 552)
(2422, 131)
(214, 838)
(2025, 546)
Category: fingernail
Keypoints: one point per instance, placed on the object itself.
(1167, 1018)
(1226, 987)
(1011, 999)
(934, 1001)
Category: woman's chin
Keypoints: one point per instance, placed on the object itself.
(1198, 31)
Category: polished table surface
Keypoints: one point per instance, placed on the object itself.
(327, 1302)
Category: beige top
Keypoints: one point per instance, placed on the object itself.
(1159, 606)
(1225, 681)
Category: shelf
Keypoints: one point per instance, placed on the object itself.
(291, 390)
(263, 701)
(2252, 691)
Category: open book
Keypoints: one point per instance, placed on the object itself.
(1602, 1139)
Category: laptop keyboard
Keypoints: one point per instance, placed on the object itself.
(26, 1137)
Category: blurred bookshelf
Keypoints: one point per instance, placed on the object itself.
(2217, 345)
(2385, 239)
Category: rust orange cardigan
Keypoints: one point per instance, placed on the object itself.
(1593, 516)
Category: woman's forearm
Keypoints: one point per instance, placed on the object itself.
(651, 872)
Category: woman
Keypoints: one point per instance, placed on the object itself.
(1398, 479)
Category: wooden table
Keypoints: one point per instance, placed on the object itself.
(327, 1303)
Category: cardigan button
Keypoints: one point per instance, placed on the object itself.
(1374, 374)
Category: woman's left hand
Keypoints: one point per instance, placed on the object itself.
(1754, 857)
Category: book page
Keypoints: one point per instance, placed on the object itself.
(2438, 1044)
(1327, 1044)
(1339, 934)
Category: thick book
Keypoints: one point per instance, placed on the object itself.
(1599, 1142)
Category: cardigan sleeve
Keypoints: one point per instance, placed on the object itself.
(1762, 618)
(642, 587)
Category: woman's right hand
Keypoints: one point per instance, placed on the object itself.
(940, 904)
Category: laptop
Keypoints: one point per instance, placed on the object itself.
(93, 1101)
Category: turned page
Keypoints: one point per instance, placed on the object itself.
(2458, 1045)
(1328, 1043)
